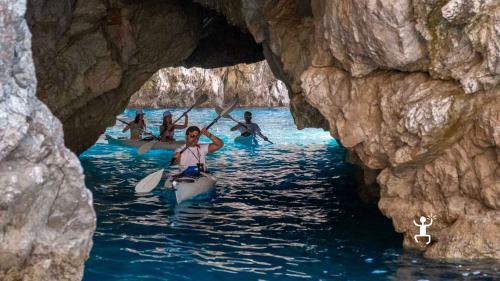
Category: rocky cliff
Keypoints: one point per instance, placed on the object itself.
(46, 215)
(254, 84)
(91, 56)
(409, 87)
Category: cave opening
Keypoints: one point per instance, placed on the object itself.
(293, 200)
(91, 57)
(104, 59)
(299, 182)
(281, 205)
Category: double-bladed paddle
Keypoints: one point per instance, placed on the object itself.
(219, 110)
(148, 183)
(147, 146)
(128, 123)
(222, 112)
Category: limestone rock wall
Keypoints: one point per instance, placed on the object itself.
(436, 146)
(254, 84)
(410, 87)
(91, 56)
(46, 215)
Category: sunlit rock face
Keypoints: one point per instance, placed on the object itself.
(91, 56)
(46, 215)
(411, 89)
(254, 84)
(436, 146)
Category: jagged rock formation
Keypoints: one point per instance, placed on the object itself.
(411, 89)
(254, 84)
(91, 56)
(46, 215)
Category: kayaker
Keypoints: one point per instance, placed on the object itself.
(167, 128)
(137, 127)
(192, 159)
(248, 128)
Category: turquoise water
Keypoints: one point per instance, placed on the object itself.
(287, 211)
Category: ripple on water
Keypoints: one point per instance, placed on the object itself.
(282, 212)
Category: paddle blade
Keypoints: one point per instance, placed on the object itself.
(224, 112)
(200, 100)
(146, 147)
(227, 109)
(218, 109)
(149, 183)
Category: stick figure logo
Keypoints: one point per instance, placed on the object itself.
(423, 228)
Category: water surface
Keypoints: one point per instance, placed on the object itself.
(287, 211)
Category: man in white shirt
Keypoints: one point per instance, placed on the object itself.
(248, 128)
(191, 156)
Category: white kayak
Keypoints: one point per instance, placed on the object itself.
(171, 145)
(190, 187)
(248, 140)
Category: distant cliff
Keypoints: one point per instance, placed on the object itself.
(178, 87)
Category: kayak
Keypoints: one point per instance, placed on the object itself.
(191, 187)
(132, 143)
(248, 140)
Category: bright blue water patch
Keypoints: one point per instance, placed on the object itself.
(287, 211)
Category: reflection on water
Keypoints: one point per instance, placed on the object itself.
(282, 212)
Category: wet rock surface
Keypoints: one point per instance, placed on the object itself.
(254, 84)
(46, 214)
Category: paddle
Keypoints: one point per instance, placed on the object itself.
(218, 110)
(148, 183)
(128, 123)
(147, 146)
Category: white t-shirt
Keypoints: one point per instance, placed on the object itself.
(252, 128)
(192, 155)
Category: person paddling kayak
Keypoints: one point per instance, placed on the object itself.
(191, 160)
(167, 128)
(137, 127)
(248, 128)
